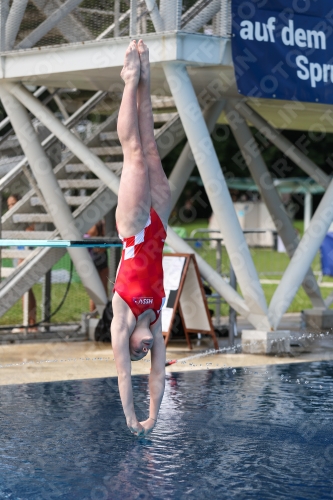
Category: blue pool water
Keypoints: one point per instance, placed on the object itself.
(258, 433)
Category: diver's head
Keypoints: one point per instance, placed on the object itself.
(140, 342)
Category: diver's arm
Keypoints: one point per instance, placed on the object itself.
(120, 346)
(157, 375)
(156, 378)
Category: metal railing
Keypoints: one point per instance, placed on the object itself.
(271, 259)
(51, 292)
(270, 264)
(40, 24)
(213, 256)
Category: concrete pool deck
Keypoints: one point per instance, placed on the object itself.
(60, 360)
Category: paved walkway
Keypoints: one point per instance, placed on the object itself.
(52, 361)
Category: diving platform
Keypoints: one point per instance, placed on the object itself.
(96, 64)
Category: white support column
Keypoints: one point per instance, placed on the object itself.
(6, 120)
(14, 20)
(80, 150)
(63, 111)
(329, 300)
(302, 258)
(185, 163)
(155, 15)
(265, 183)
(181, 173)
(289, 149)
(48, 24)
(54, 198)
(307, 209)
(215, 185)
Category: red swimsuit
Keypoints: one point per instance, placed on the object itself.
(140, 277)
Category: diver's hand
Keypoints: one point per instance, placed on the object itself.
(148, 425)
(135, 427)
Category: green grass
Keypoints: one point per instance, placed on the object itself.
(203, 223)
(299, 226)
(76, 303)
(268, 263)
(197, 224)
(301, 300)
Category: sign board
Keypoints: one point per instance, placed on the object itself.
(283, 49)
(184, 292)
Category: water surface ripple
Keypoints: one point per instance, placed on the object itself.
(257, 433)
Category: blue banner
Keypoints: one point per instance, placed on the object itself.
(283, 49)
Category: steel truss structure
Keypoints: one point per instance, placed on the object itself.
(63, 45)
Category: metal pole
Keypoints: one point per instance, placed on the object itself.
(116, 18)
(265, 183)
(329, 300)
(63, 111)
(201, 12)
(289, 149)
(155, 15)
(14, 20)
(6, 120)
(53, 196)
(86, 243)
(115, 252)
(302, 258)
(185, 163)
(219, 271)
(25, 299)
(46, 312)
(232, 312)
(4, 9)
(215, 185)
(170, 13)
(61, 107)
(112, 26)
(259, 321)
(223, 20)
(133, 17)
(0, 235)
(49, 23)
(179, 8)
(307, 209)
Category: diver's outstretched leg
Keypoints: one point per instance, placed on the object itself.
(134, 200)
(159, 185)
